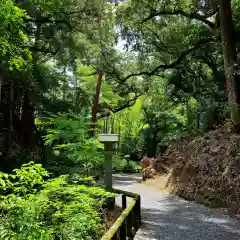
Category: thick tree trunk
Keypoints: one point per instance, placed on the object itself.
(42, 146)
(229, 53)
(0, 86)
(27, 123)
(8, 120)
(152, 146)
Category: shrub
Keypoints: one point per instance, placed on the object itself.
(122, 164)
(67, 134)
(64, 209)
(28, 179)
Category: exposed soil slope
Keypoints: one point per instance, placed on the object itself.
(205, 169)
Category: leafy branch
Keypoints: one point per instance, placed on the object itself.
(127, 104)
(171, 65)
(193, 15)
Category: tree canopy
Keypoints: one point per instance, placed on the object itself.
(163, 60)
(150, 71)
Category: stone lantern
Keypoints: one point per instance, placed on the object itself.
(109, 141)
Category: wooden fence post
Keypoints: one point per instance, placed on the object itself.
(129, 221)
(130, 225)
(124, 201)
(138, 206)
(123, 229)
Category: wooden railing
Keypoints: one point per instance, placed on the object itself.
(129, 221)
(115, 170)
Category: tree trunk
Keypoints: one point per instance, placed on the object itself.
(229, 54)
(27, 123)
(65, 87)
(96, 101)
(152, 146)
(198, 112)
(1, 86)
(8, 120)
(42, 146)
(188, 111)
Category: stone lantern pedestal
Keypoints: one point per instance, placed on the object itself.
(109, 141)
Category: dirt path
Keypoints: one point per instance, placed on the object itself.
(168, 217)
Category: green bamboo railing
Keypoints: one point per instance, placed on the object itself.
(129, 221)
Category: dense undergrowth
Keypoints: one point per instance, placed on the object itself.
(72, 151)
(61, 201)
(33, 206)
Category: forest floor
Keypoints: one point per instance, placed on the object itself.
(111, 216)
(168, 217)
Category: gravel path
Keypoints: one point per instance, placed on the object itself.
(168, 217)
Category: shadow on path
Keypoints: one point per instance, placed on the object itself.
(168, 217)
(124, 180)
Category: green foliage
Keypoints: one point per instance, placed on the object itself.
(13, 39)
(236, 16)
(67, 135)
(170, 83)
(70, 40)
(125, 165)
(77, 179)
(26, 180)
(89, 83)
(152, 121)
(172, 54)
(61, 210)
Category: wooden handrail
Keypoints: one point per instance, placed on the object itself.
(128, 194)
(129, 221)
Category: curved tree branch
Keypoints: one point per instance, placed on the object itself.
(127, 104)
(195, 16)
(171, 65)
(43, 50)
(45, 20)
(207, 60)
